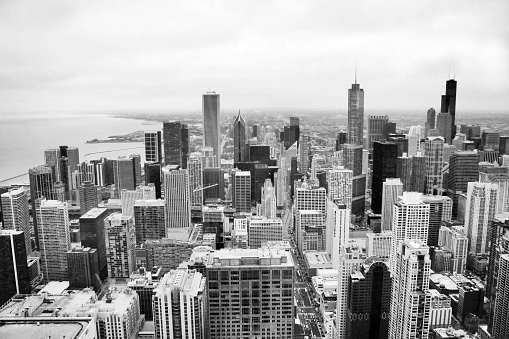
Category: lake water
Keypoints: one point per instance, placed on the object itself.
(24, 137)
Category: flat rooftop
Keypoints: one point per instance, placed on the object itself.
(35, 328)
(317, 258)
(251, 257)
(93, 213)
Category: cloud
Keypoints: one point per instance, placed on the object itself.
(162, 55)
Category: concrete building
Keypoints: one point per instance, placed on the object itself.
(454, 239)
(500, 326)
(339, 185)
(337, 229)
(241, 191)
(375, 130)
(463, 168)
(120, 238)
(391, 190)
(261, 230)
(167, 253)
(83, 268)
(149, 220)
(268, 200)
(14, 273)
(176, 144)
(250, 293)
(412, 172)
(440, 209)
(179, 305)
(176, 197)
(153, 146)
(129, 197)
(16, 215)
(212, 124)
(92, 235)
(434, 148)
(89, 196)
(379, 244)
(195, 169)
(440, 312)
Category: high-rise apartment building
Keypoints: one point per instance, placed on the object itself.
(52, 158)
(212, 124)
(176, 143)
(241, 191)
(440, 209)
(375, 130)
(176, 197)
(463, 168)
(92, 235)
(385, 157)
(179, 305)
(500, 177)
(410, 297)
(149, 220)
(250, 293)
(412, 172)
(369, 301)
(83, 267)
(54, 238)
(500, 326)
(120, 236)
(89, 196)
(337, 229)
(213, 178)
(391, 190)
(16, 215)
(195, 169)
(454, 239)
(434, 148)
(153, 146)
(480, 209)
(14, 276)
(353, 155)
(355, 114)
(304, 153)
(127, 173)
(449, 103)
(41, 185)
(239, 139)
(339, 186)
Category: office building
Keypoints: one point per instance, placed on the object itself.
(153, 176)
(176, 197)
(250, 293)
(430, 121)
(454, 239)
(176, 143)
(375, 130)
(304, 153)
(92, 236)
(412, 172)
(379, 244)
(410, 297)
(153, 146)
(261, 230)
(213, 179)
(195, 169)
(353, 155)
(14, 274)
(239, 139)
(268, 201)
(149, 220)
(355, 114)
(143, 282)
(440, 209)
(391, 190)
(41, 185)
(16, 215)
(126, 173)
(52, 159)
(339, 186)
(449, 103)
(120, 236)
(179, 305)
(129, 197)
(444, 122)
(212, 124)
(385, 157)
(167, 253)
(463, 168)
(434, 148)
(83, 268)
(89, 196)
(500, 326)
(241, 191)
(337, 229)
(54, 231)
(480, 209)
(369, 301)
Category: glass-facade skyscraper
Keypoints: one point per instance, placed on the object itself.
(211, 124)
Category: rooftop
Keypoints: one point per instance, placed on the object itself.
(251, 257)
(45, 327)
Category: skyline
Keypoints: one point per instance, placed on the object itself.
(61, 56)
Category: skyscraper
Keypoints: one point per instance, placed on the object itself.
(126, 173)
(339, 186)
(179, 305)
(385, 157)
(337, 229)
(120, 236)
(440, 210)
(375, 130)
(444, 122)
(16, 215)
(239, 139)
(355, 114)
(449, 103)
(294, 131)
(92, 235)
(434, 147)
(268, 200)
(153, 149)
(195, 169)
(212, 124)
(153, 176)
(250, 293)
(83, 267)
(463, 168)
(241, 191)
(55, 240)
(130, 197)
(41, 185)
(410, 297)
(176, 197)
(412, 172)
(176, 143)
(391, 190)
(149, 220)
(500, 326)
(14, 277)
(52, 158)
(89, 196)
(369, 301)
(454, 239)
(430, 121)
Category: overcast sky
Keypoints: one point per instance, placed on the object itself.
(162, 55)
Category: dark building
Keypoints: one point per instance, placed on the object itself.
(92, 235)
(83, 268)
(449, 103)
(463, 168)
(390, 128)
(503, 147)
(341, 139)
(470, 301)
(369, 298)
(153, 176)
(127, 173)
(439, 208)
(470, 131)
(239, 139)
(412, 172)
(176, 143)
(89, 196)
(41, 185)
(213, 176)
(375, 130)
(255, 131)
(430, 121)
(385, 159)
(153, 146)
(14, 276)
(109, 176)
(401, 141)
(490, 140)
(261, 153)
(259, 172)
(291, 133)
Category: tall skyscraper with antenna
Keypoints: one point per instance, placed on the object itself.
(355, 113)
(212, 125)
(239, 139)
(449, 103)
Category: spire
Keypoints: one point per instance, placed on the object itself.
(356, 73)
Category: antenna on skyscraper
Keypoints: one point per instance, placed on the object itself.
(449, 71)
(356, 73)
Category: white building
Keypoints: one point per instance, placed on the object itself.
(176, 197)
(379, 244)
(337, 229)
(261, 230)
(391, 190)
(455, 240)
(16, 214)
(339, 184)
(434, 152)
(268, 200)
(128, 197)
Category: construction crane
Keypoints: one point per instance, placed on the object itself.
(202, 188)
